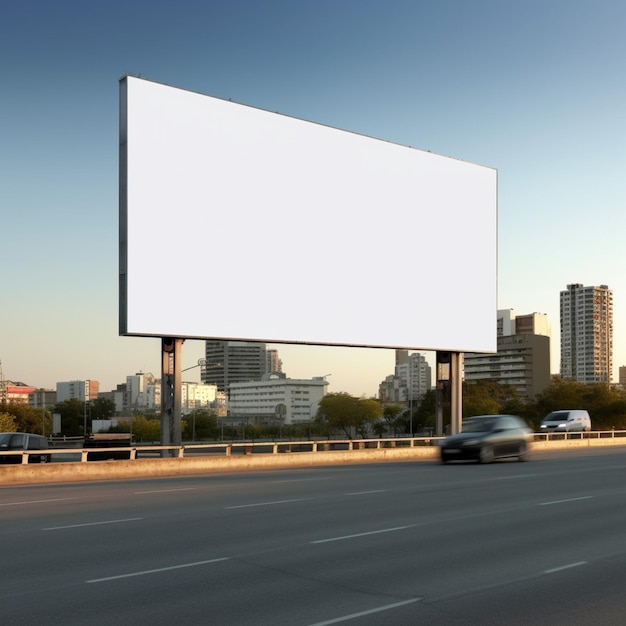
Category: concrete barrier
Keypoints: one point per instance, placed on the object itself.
(159, 467)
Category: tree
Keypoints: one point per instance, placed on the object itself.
(7, 423)
(369, 411)
(487, 397)
(426, 414)
(607, 406)
(72, 417)
(102, 409)
(348, 414)
(28, 419)
(393, 416)
(201, 424)
(146, 429)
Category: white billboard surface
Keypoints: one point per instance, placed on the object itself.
(239, 223)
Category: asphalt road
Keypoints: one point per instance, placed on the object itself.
(542, 542)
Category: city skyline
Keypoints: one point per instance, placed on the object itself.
(528, 90)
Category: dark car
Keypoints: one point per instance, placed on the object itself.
(488, 437)
(23, 441)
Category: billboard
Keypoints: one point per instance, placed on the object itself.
(240, 223)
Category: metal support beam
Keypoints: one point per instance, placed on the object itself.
(171, 391)
(456, 392)
(449, 390)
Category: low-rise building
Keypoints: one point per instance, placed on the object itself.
(277, 398)
(17, 393)
(42, 398)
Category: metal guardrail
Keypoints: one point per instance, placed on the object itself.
(268, 447)
(593, 434)
(221, 448)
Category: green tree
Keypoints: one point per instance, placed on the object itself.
(144, 429)
(487, 397)
(102, 409)
(200, 425)
(606, 405)
(7, 423)
(369, 411)
(72, 414)
(27, 418)
(426, 413)
(348, 414)
(394, 420)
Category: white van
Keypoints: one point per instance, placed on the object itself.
(566, 421)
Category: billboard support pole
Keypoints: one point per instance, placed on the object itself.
(171, 392)
(449, 390)
(456, 392)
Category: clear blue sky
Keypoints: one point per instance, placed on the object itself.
(535, 89)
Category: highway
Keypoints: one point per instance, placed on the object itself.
(542, 542)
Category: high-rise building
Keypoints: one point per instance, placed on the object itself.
(235, 362)
(411, 379)
(273, 363)
(523, 357)
(587, 333)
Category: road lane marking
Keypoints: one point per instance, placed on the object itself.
(560, 569)
(361, 493)
(165, 490)
(157, 570)
(34, 501)
(564, 501)
(367, 534)
(245, 506)
(387, 607)
(113, 521)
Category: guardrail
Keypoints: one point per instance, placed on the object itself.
(134, 452)
(593, 434)
(221, 448)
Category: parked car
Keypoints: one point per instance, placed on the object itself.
(488, 437)
(23, 441)
(566, 421)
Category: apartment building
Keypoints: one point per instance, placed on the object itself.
(83, 390)
(230, 362)
(522, 359)
(587, 333)
(411, 379)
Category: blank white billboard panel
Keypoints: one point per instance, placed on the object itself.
(239, 223)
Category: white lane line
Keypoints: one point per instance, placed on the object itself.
(246, 506)
(165, 490)
(156, 571)
(33, 501)
(379, 609)
(367, 534)
(113, 521)
(360, 493)
(564, 501)
(560, 569)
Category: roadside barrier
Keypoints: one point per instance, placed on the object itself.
(140, 461)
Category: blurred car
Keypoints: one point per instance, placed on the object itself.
(488, 437)
(566, 421)
(23, 441)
